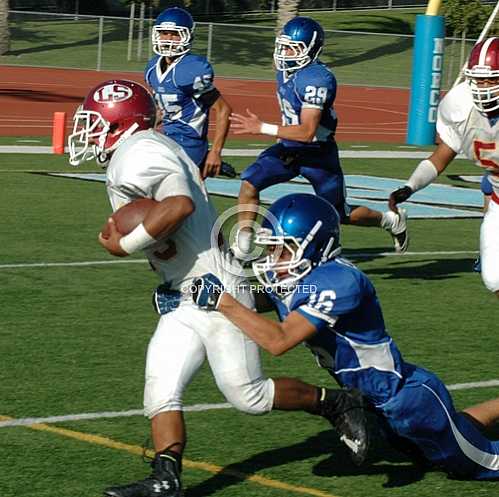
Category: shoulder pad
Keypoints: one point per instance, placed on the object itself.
(151, 64)
(456, 105)
(315, 75)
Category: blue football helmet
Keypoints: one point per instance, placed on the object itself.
(174, 20)
(299, 43)
(304, 230)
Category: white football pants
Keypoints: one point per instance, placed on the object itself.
(178, 348)
(489, 247)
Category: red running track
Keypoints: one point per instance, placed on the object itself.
(30, 96)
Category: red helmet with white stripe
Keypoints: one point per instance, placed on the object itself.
(111, 112)
(483, 66)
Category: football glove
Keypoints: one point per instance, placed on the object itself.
(165, 300)
(206, 291)
(227, 170)
(398, 196)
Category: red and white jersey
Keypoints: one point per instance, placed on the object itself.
(464, 129)
(151, 165)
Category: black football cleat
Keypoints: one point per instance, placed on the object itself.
(345, 410)
(163, 482)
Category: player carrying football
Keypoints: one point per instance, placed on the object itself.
(115, 124)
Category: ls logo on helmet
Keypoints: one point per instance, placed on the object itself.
(112, 93)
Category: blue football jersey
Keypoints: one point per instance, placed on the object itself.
(351, 341)
(312, 87)
(177, 92)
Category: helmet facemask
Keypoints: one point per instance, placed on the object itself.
(485, 98)
(171, 48)
(298, 57)
(95, 138)
(89, 136)
(282, 276)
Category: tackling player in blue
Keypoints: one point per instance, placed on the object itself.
(306, 90)
(331, 306)
(183, 87)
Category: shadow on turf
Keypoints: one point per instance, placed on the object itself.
(382, 461)
(427, 269)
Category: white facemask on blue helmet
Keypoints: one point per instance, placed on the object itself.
(299, 43)
(305, 226)
(177, 21)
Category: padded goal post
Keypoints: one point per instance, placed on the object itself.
(427, 65)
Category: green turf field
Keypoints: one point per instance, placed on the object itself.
(73, 339)
(243, 50)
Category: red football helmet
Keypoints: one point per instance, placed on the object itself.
(484, 64)
(111, 112)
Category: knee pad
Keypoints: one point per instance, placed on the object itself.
(252, 398)
(157, 400)
(153, 409)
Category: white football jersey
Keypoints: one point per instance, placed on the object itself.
(464, 129)
(151, 165)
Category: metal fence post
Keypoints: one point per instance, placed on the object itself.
(334, 4)
(210, 38)
(151, 22)
(130, 32)
(99, 47)
(390, 4)
(141, 30)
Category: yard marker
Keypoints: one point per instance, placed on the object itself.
(58, 131)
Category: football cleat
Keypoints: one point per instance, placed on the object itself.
(345, 410)
(399, 232)
(163, 482)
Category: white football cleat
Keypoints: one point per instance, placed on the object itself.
(399, 232)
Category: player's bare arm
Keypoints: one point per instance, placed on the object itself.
(163, 219)
(424, 174)
(276, 338)
(213, 160)
(303, 132)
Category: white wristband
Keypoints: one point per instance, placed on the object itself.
(422, 176)
(269, 129)
(137, 239)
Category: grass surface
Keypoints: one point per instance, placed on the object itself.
(73, 340)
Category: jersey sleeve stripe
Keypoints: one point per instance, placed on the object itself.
(307, 310)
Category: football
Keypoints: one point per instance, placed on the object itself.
(129, 216)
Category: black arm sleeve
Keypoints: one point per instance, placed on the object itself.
(210, 97)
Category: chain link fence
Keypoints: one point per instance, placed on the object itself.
(235, 50)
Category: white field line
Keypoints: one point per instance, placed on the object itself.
(193, 408)
(244, 152)
(143, 261)
(101, 415)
